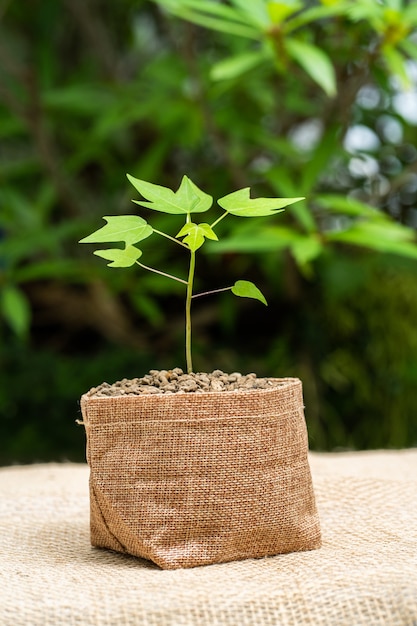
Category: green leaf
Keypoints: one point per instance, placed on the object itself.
(280, 11)
(267, 240)
(246, 289)
(396, 65)
(120, 258)
(315, 14)
(237, 65)
(347, 206)
(56, 268)
(208, 18)
(127, 228)
(239, 203)
(80, 99)
(409, 15)
(409, 47)
(306, 250)
(195, 234)
(304, 217)
(318, 163)
(272, 239)
(315, 62)
(187, 199)
(16, 310)
(368, 10)
(255, 10)
(208, 231)
(282, 183)
(395, 5)
(196, 200)
(207, 7)
(382, 236)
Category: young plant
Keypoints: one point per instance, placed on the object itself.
(187, 200)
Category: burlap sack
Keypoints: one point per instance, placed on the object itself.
(192, 479)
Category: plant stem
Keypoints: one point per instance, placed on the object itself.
(152, 269)
(208, 293)
(188, 312)
(219, 219)
(159, 232)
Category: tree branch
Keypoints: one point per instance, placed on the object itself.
(97, 36)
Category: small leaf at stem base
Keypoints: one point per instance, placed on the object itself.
(195, 234)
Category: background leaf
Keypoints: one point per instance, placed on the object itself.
(280, 11)
(235, 66)
(379, 236)
(255, 11)
(315, 62)
(211, 17)
(16, 310)
(134, 93)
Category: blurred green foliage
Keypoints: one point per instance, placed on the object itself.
(314, 99)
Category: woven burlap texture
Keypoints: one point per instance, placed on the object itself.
(193, 479)
(364, 575)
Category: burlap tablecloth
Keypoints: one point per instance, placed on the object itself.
(364, 575)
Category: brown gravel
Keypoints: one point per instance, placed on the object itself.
(176, 381)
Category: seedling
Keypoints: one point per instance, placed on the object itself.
(187, 200)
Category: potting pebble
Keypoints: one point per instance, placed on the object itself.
(176, 381)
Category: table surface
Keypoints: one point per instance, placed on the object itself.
(365, 573)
